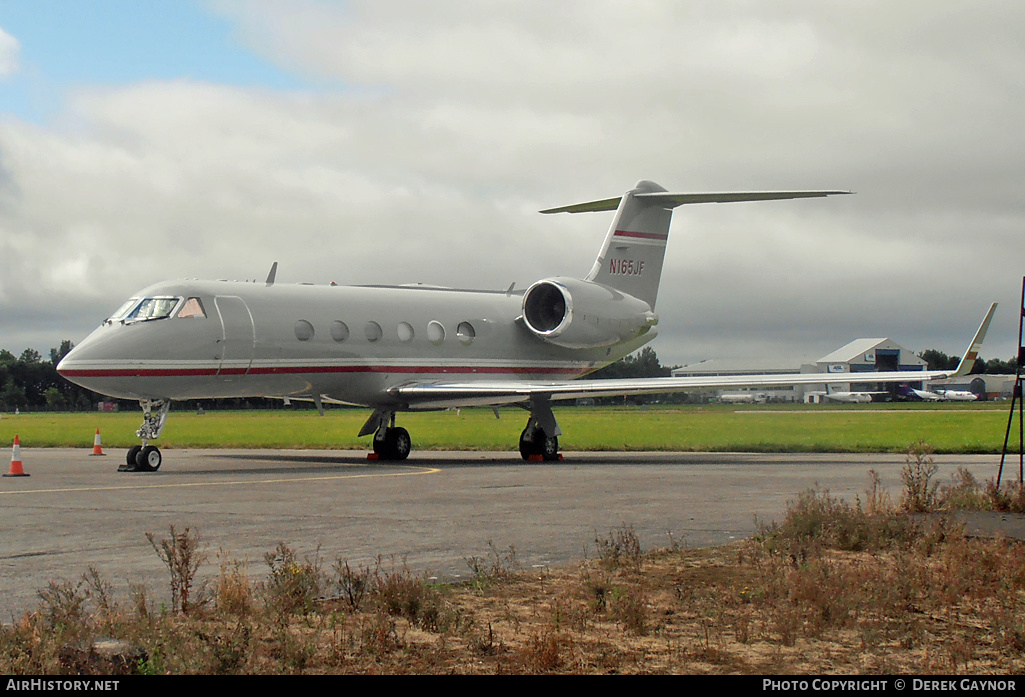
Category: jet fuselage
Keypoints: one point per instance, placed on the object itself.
(350, 343)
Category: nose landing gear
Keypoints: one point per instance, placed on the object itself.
(146, 457)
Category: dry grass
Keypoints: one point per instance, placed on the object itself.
(835, 587)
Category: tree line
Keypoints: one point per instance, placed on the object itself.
(31, 382)
(937, 360)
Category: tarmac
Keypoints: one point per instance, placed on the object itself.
(431, 513)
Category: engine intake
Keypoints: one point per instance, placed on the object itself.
(573, 313)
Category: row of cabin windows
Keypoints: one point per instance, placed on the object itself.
(436, 333)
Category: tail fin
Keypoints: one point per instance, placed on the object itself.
(631, 257)
(968, 360)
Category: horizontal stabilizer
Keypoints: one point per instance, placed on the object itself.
(671, 200)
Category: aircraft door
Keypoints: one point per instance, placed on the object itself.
(238, 335)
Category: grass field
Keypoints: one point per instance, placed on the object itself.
(954, 428)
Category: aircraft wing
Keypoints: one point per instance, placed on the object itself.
(496, 392)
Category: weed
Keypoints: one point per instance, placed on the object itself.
(963, 493)
(483, 643)
(1009, 498)
(494, 566)
(233, 591)
(631, 611)
(598, 592)
(101, 592)
(62, 608)
(546, 650)
(182, 556)
(620, 547)
(232, 648)
(877, 499)
(402, 594)
(817, 520)
(355, 584)
(919, 494)
(378, 634)
(296, 648)
(294, 585)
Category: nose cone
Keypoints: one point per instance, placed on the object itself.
(89, 364)
(72, 364)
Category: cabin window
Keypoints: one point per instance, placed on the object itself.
(193, 308)
(405, 330)
(465, 333)
(152, 308)
(373, 331)
(339, 331)
(303, 330)
(435, 332)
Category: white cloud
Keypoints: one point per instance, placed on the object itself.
(10, 49)
(455, 121)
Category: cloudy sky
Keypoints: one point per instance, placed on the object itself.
(366, 142)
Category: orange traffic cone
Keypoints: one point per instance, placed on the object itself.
(16, 469)
(97, 445)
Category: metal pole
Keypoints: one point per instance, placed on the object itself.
(1017, 397)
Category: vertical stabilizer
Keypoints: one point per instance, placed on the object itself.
(631, 256)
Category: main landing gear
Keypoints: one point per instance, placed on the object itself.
(146, 457)
(391, 442)
(538, 441)
(534, 443)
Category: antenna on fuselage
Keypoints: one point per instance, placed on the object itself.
(272, 274)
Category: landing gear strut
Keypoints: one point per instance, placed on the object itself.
(146, 457)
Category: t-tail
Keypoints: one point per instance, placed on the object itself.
(631, 257)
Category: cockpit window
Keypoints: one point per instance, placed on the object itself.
(152, 308)
(123, 310)
(193, 308)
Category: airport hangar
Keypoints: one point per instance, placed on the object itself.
(859, 356)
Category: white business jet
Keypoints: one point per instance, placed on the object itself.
(406, 348)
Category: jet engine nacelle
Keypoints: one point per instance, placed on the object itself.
(572, 313)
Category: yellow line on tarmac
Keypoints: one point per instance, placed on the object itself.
(280, 480)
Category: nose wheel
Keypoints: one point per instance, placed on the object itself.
(142, 459)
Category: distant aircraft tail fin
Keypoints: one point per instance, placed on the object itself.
(631, 257)
(968, 361)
